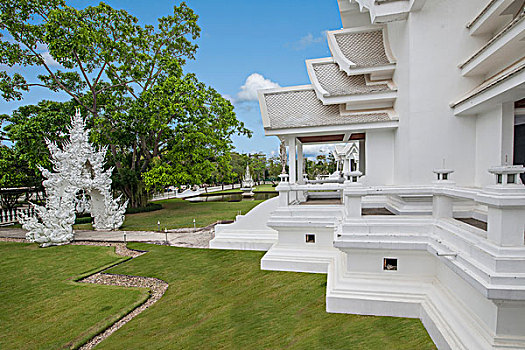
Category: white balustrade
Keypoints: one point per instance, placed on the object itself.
(505, 200)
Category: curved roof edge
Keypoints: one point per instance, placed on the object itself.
(298, 107)
(333, 86)
(361, 50)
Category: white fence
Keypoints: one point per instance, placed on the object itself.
(9, 216)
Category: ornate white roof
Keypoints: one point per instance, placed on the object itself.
(383, 11)
(354, 87)
(360, 50)
(299, 107)
(364, 49)
(337, 83)
(334, 86)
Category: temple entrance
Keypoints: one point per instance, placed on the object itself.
(78, 184)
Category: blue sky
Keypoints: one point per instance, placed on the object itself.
(239, 38)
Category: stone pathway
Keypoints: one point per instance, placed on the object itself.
(184, 237)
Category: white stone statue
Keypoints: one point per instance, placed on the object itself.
(247, 181)
(78, 168)
(282, 156)
(247, 184)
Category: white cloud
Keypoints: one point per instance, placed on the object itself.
(253, 83)
(229, 98)
(317, 149)
(308, 40)
(48, 59)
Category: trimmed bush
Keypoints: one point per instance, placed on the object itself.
(149, 207)
(83, 220)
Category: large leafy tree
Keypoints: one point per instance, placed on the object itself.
(162, 126)
(179, 132)
(92, 46)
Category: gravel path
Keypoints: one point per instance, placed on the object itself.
(156, 286)
(19, 240)
(184, 237)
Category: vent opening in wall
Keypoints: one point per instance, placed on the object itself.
(390, 264)
(310, 238)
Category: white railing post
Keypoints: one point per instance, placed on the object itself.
(506, 206)
(284, 191)
(352, 196)
(442, 206)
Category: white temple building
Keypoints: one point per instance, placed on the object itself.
(429, 219)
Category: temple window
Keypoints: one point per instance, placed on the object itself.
(390, 264)
(310, 238)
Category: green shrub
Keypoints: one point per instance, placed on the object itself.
(83, 220)
(149, 207)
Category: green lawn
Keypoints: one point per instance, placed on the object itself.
(217, 299)
(42, 306)
(264, 188)
(177, 213)
(220, 299)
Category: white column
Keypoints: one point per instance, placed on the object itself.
(346, 165)
(362, 160)
(507, 133)
(442, 206)
(292, 163)
(300, 161)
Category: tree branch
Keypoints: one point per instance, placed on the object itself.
(66, 90)
(82, 70)
(114, 86)
(100, 73)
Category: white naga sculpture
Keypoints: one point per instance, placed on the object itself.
(78, 171)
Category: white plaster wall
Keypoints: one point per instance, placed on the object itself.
(488, 130)
(482, 309)
(379, 157)
(428, 47)
(485, 316)
(511, 318)
(324, 237)
(409, 262)
(507, 133)
(494, 141)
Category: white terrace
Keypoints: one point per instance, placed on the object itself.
(423, 220)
